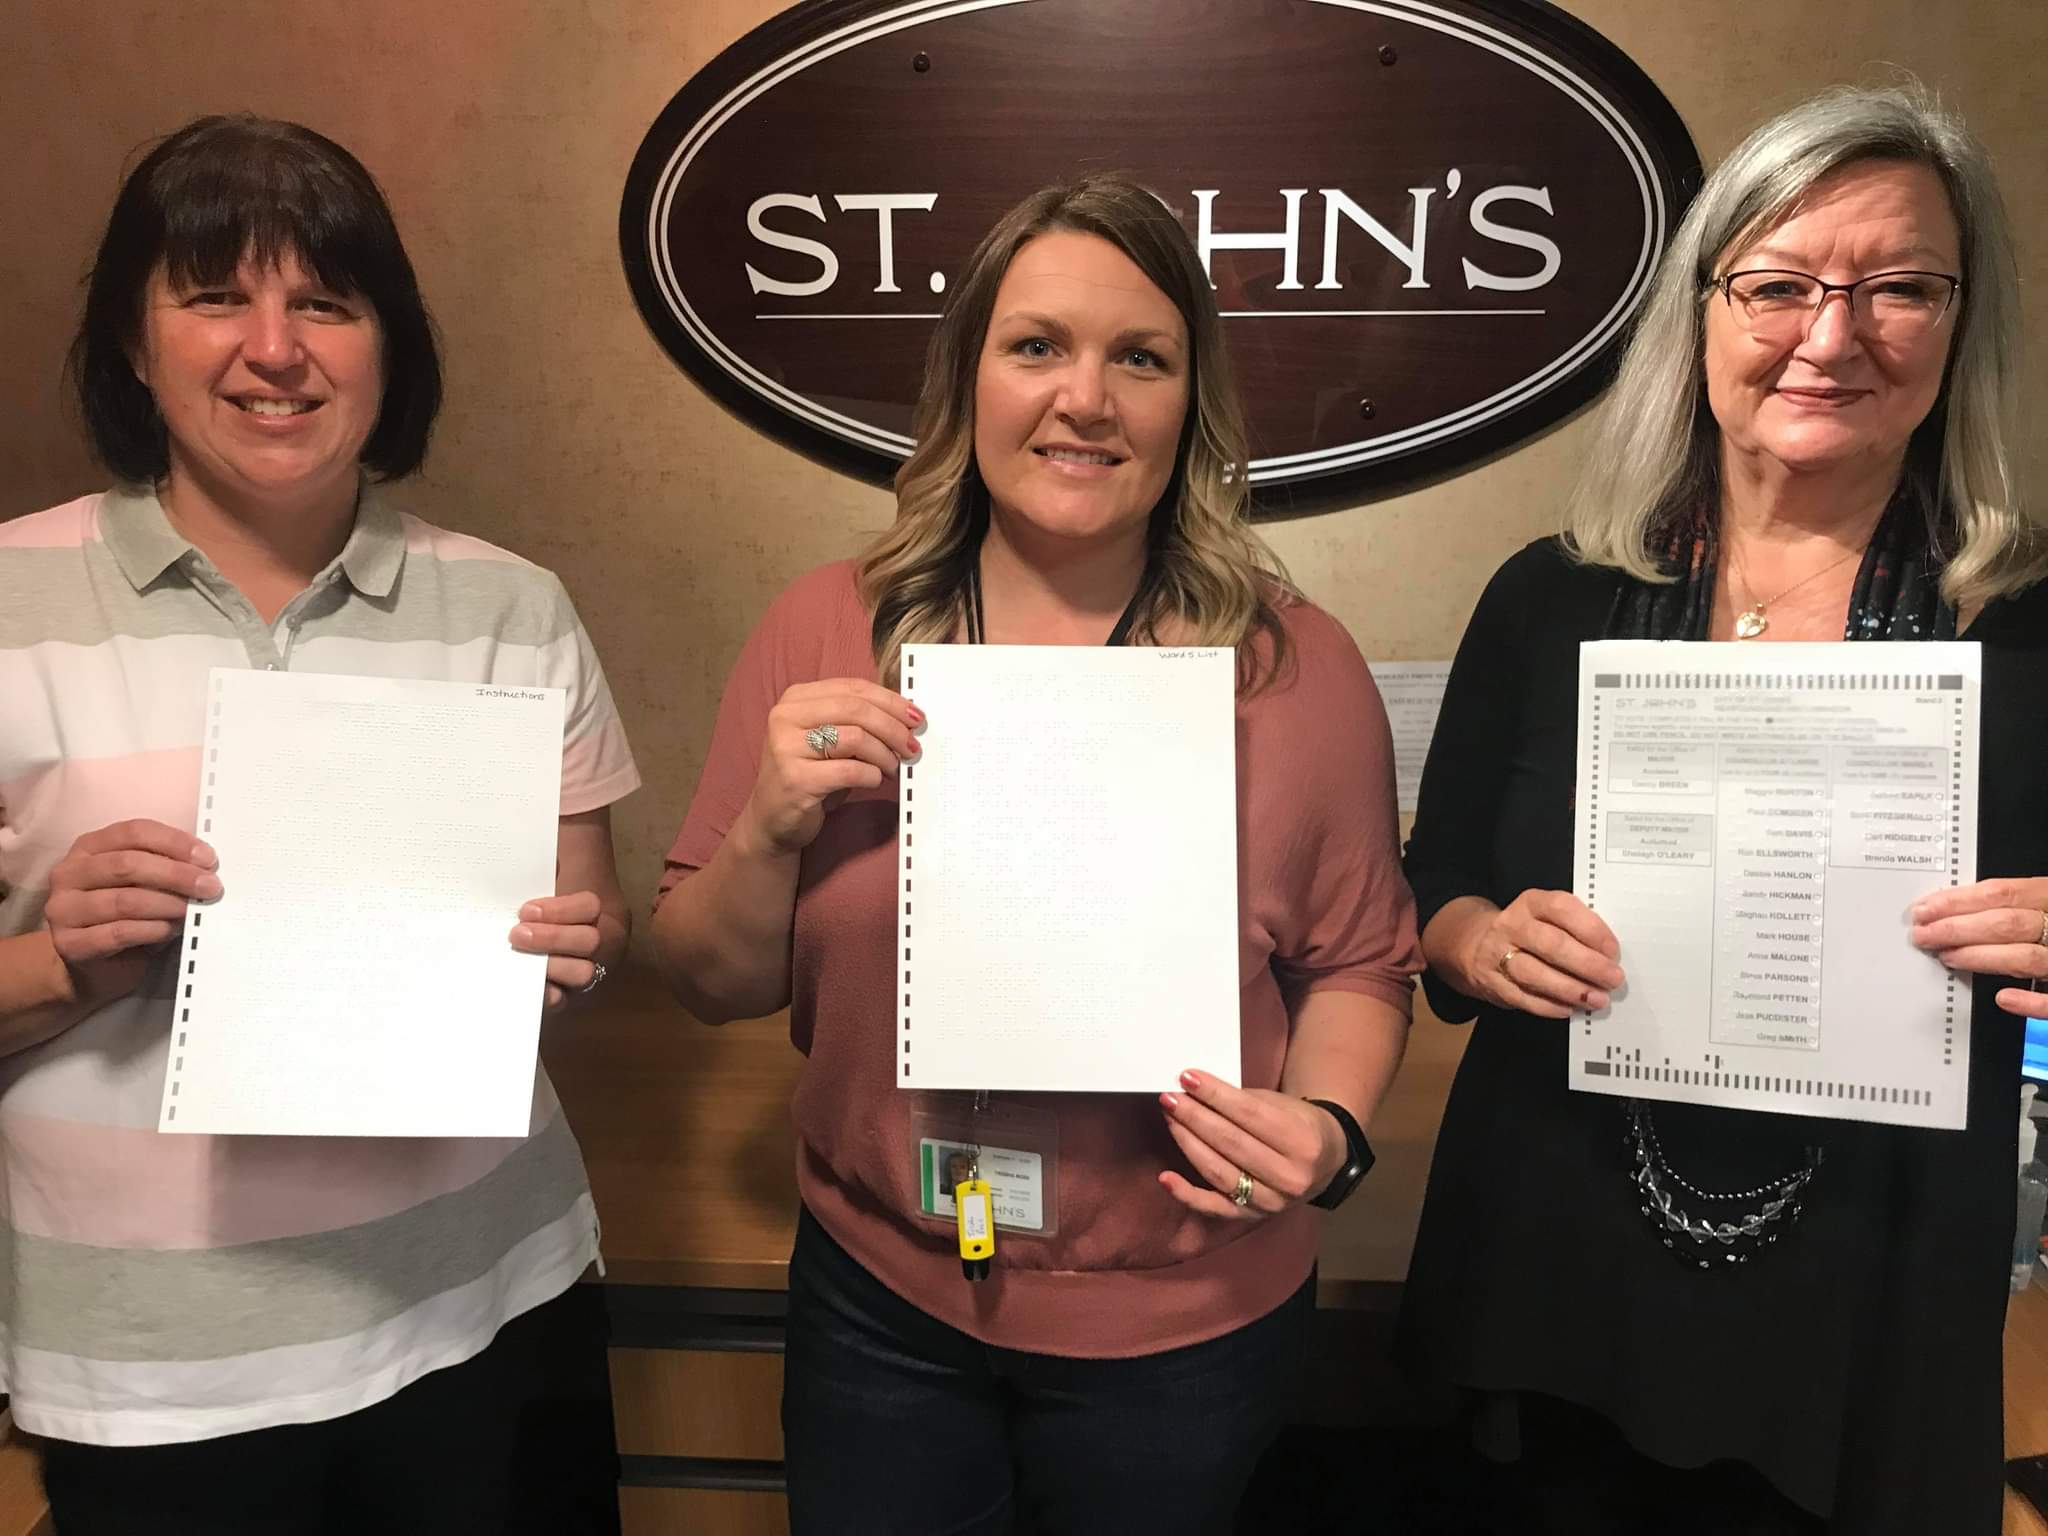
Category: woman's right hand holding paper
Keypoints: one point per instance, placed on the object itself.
(873, 727)
(119, 892)
(1545, 953)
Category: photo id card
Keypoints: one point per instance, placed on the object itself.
(1013, 1149)
(1016, 1181)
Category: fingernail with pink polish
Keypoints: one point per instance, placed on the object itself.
(1191, 1081)
(1169, 1101)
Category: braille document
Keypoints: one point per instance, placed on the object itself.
(377, 838)
(1755, 822)
(1067, 863)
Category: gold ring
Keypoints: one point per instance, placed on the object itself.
(1244, 1188)
(2043, 940)
(1512, 951)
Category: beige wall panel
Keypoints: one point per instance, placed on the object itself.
(503, 134)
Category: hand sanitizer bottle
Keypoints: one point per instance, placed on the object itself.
(2033, 1199)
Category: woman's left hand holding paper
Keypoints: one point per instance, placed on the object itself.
(1286, 1147)
(564, 928)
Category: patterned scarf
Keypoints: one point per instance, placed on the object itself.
(1897, 594)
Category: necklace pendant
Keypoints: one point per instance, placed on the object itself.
(1751, 622)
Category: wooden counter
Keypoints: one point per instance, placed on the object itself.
(686, 1132)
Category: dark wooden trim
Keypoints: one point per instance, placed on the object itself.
(724, 1473)
(696, 1317)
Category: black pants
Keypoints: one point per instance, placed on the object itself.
(898, 1425)
(517, 1439)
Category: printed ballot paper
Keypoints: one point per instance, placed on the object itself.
(377, 837)
(1067, 859)
(1754, 823)
(1413, 693)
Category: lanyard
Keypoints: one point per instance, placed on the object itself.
(974, 1211)
(1117, 636)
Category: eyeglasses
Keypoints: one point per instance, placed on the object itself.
(1893, 306)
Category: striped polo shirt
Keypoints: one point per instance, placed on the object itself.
(166, 1288)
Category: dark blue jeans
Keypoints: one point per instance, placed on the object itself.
(899, 1425)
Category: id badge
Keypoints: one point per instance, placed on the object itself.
(1012, 1148)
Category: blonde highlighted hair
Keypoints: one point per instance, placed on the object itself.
(1655, 459)
(1214, 582)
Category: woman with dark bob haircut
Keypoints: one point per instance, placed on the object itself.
(260, 1334)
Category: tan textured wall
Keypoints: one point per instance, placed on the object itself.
(503, 133)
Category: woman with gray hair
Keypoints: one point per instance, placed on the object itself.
(1808, 441)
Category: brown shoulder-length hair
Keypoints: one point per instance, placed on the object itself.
(1214, 581)
(216, 191)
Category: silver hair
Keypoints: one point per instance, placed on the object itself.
(1655, 456)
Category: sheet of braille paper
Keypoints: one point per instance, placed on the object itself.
(377, 838)
(1068, 869)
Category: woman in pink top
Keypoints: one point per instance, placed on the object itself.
(266, 1335)
(1078, 478)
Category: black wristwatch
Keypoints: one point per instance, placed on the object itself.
(1357, 1158)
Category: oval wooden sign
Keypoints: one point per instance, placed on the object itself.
(1427, 223)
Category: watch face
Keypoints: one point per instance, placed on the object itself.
(1347, 1179)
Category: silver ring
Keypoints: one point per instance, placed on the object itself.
(597, 974)
(1243, 1196)
(822, 739)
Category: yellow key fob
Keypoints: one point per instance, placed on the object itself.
(974, 1212)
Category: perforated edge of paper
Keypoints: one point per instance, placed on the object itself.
(195, 916)
(906, 814)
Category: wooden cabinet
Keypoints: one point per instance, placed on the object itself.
(723, 1405)
(701, 1512)
(686, 1134)
(23, 1509)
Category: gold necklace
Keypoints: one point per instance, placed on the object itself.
(1753, 620)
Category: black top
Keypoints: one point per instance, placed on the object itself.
(1856, 1363)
